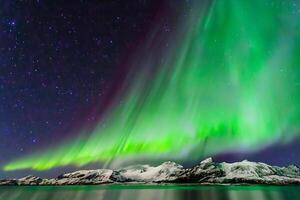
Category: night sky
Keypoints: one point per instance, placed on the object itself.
(85, 82)
(58, 60)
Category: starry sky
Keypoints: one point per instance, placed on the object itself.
(109, 83)
(57, 60)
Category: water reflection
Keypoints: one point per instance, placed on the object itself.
(170, 192)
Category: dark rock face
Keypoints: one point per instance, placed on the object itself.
(29, 180)
(84, 177)
(206, 172)
(291, 171)
(8, 182)
(203, 172)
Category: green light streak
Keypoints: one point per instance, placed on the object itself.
(229, 83)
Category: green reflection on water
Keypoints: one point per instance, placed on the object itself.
(149, 192)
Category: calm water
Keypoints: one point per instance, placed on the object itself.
(132, 192)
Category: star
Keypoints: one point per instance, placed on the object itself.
(12, 23)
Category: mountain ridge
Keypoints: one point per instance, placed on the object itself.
(206, 172)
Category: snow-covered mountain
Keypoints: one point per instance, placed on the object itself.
(206, 172)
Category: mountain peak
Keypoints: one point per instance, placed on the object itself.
(207, 172)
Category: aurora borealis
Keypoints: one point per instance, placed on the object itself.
(228, 81)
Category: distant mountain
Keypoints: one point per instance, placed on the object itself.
(206, 172)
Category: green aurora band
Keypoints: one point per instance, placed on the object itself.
(228, 82)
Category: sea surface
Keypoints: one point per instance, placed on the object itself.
(150, 192)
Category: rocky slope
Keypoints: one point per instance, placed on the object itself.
(206, 172)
